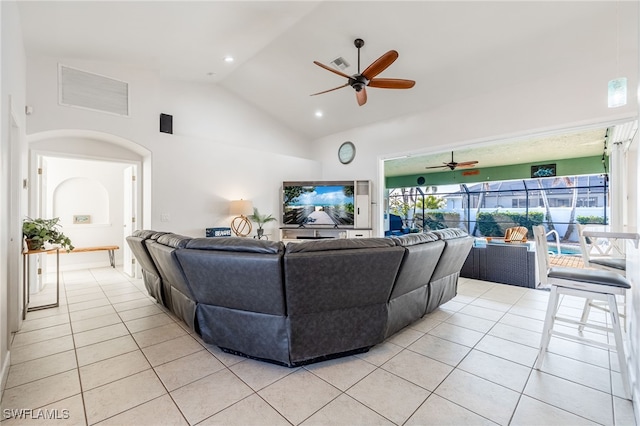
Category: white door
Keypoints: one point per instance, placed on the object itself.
(41, 208)
(13, 225)
(130, 213)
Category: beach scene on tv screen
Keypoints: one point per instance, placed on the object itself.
(318, 205)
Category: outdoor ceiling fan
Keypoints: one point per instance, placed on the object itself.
(452, 165)
(360, 80)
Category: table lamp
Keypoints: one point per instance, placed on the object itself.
(241, 225)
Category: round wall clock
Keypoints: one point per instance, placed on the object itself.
(346, 152)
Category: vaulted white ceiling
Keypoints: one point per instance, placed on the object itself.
(452, 49)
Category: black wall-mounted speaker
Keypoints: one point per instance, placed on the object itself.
(421, 180)
(166, 123)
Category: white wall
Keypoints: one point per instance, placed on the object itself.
(222, 148)
(79, 186)
(12, 167)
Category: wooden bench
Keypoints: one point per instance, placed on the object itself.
(109, 249)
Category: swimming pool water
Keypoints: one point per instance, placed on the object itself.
(564, 250)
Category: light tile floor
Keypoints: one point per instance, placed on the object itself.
(109, 355)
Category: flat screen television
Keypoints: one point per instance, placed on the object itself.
(318, 204)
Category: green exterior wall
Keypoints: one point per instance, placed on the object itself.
(568, 167)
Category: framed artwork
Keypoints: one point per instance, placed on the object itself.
(544, 170)
(81, 219)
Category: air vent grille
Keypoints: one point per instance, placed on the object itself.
(340, 63)
(92, 91)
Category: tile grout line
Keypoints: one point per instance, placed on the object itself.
(75, 351)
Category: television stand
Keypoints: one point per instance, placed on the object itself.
(298, 235)
(312, 238)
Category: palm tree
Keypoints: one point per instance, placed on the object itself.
(574, 203)
(545, 201)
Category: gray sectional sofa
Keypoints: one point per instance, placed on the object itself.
(307, 301)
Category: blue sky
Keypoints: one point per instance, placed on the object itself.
(322, 196)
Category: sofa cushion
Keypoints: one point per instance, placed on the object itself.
(448, 233)
(328, 280)
(418, 264)
(249, 281)
(177, 293)
(174, 240)
(336, 293)
(453, 257)
(151, 276)
(413, 239)
(247, 245)
(147, 234)
(339, 244)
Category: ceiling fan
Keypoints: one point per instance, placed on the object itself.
(367, 78)
(452, 165)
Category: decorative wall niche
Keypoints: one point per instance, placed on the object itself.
(81, 196)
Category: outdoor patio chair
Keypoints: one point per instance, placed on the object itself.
(589, 284)
(516, 234)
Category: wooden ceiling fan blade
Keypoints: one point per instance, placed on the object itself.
(330, 90)
(380, 64)
(437, 167)
(361, 96)
(467, 164)
(391, 83)
(328, 68)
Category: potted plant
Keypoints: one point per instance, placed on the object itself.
(260, 219)
(37, 232)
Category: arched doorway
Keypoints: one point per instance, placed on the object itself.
(66, 164)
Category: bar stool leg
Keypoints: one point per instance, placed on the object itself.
(622, 359)
(585, 314)
(549, 320)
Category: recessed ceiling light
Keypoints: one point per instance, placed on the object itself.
(319, 114)
(228, 58)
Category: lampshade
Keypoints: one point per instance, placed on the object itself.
(241, 207)
(617, 92)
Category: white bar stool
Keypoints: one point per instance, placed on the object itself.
(590, 285)
(595, 256)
